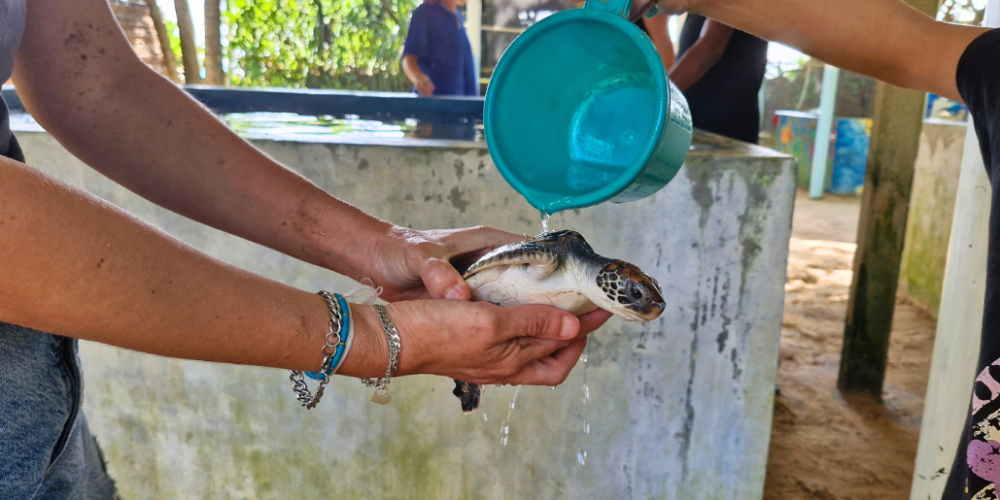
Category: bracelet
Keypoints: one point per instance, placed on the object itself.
(381, 395)
(349, 329)
(334, 343)
(346, 337)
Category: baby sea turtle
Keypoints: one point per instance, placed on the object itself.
(559, 269)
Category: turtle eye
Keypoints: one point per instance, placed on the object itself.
(636, 291)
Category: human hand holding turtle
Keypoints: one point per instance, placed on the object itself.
(531, 345)
(410, 264)
(477, 341)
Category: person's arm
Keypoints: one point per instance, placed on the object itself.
(79, 77)
(75, 265)
(658, 28)
(418, 78)
(702, 55)
(417, 45)
(884, 39)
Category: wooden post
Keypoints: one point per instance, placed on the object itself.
(161, 34)
(189, 49)
(895, 137)
(214, 74)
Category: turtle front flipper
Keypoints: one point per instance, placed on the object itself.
(469, 394)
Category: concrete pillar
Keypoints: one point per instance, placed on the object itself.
(827, 106)
(474, 29)
(895, 139)
(956, 345)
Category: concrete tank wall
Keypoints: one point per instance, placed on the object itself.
(678, 408)
(932, 203)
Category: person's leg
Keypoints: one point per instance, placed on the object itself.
(47, 449)
(80, 472)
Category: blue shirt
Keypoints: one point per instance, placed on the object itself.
(438, 40)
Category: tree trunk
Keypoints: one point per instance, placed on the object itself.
(161, 34)
(214, 75)
(189, 50)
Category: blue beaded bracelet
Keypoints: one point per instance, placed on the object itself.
(345, 330)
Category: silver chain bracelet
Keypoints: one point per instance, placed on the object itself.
(332, 340)
(381, 395)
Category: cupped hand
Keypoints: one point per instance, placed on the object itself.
(410, 264)
(486, 344)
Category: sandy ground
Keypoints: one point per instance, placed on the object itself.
(826, 445)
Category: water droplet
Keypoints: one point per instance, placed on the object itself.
(552, 387)
(545, 222)
(512, 404)
(487, 419)
(586, 426)
(586, 392)
(581, 457)
(499, 385)
(503, 440)
(583, 357)
(505, 430)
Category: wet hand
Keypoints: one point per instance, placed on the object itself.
(410, 264)
(487, 344)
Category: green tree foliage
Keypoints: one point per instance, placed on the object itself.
(339, 44)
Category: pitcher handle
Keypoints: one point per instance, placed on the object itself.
(619, 7)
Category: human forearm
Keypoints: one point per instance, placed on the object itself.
(692, 66)
(169, 149)
(417, 77)
(658, 28)
(885, 39)
(74, 265)
(702, 55)
(411, 68)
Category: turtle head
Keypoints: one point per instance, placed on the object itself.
(628, 292)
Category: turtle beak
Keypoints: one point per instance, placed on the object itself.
(649, 313)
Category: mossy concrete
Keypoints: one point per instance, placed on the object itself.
(932, 204)
(678, 408)
(881, 231)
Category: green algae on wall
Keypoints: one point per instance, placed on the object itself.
(932, 203)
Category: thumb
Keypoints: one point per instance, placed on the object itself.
(544, 322)
(443, 281)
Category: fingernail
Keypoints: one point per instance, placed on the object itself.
(569, 328)
(454, 294)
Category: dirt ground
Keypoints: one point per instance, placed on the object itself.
(825, 445)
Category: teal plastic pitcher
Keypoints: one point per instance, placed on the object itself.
(579, 111)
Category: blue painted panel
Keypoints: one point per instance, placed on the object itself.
(850, 155)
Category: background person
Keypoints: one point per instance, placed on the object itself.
(720, 71)
(437, 56)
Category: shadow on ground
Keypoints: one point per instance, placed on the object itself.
(826, 445)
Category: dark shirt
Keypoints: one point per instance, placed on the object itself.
(641, 25)
(977, 463)
(724, 101)
(438, 40)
